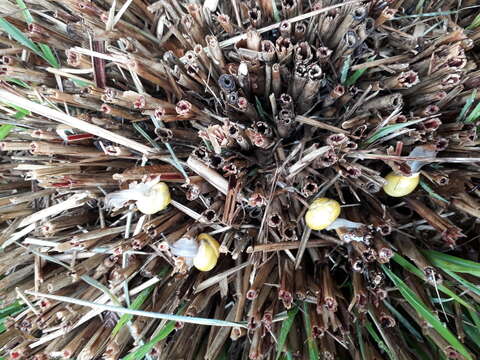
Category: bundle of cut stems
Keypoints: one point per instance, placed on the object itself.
(166, 165)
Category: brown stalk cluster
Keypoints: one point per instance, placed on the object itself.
(248, 111)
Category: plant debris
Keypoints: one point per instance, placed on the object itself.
(239, 179)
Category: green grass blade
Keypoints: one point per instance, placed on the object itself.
(311, 344)
(45, 49)
(390, 129)
(475, 23)
(19, 83)
(49, 56)
(473, 333)
(263, 114)
(423, 311)
(139, 300)
(11, 309)
(475, 317)
(468, 105)
(472, 287)
(380, 343)
(285, 329)
(361, 342)
(474, 115)
(416, 271)
(5, 130)
(345, 69)
(403, 320)
(146, 348)
(419, 7)
(276, 13)
(352, 79)
(26, 14)
(16, 34)
(452, 263)
(432, 193)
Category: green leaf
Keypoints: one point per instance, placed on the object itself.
(19, 82)
(16, 34)
(475, 23)
(361, 342)
(352, 79)
(45, 49)
(416, 271)
(49, 56)
(11, 309)
(146, 348)
(381, 344)
(26, 13)
(390, 129)
(139, 300)
(473, 333)
(468, 105)
(474, 115)
(425, 313)
(276, 13)
(265, 116)
(472, 287)
(285, 329)
(419, 7)
(80, 83)
(312, 346)
(345, 69)
(403, 320)
(432, 193)
(452, 263)
(5, 130)
(475, 317)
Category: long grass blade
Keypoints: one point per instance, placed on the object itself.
(154, 315)
(452, 263)
(345, 69)
(475, 23)
(16, 34)
(403, 320)
(390, 129)
(467, 106)
(474, 115)
(423, 310)
(139, 300)
(5, 130)
(25, 12)
(311, 344)
(285, 329)
(432, 193)
(472, 287)
(381, 344)
(416, 271)
(146, 348)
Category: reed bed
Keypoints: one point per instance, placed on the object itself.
(257, 179)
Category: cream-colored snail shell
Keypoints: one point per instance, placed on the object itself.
(208, 253)
(321, 213)
(157, 199)
(398, 185)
